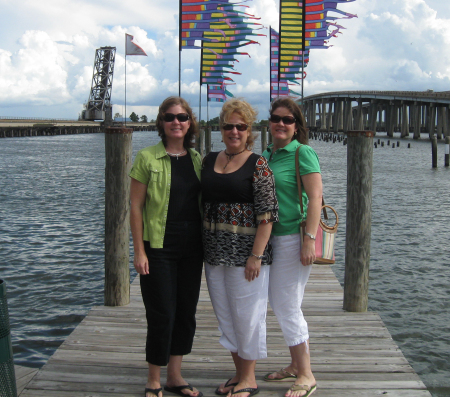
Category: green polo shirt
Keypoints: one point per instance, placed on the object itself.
(152, 167)
(282, 163)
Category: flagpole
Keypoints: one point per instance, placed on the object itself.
(125, 115)
(303, 42)
(180, 46)
(270, 64)
(279, 52)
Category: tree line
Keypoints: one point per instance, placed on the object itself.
(214, 121)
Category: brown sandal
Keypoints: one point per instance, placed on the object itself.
(282, 376)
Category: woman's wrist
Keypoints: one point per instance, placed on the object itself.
(259, 257)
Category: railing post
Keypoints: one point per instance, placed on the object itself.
(358, 222)
(8, 386)
(118, 152)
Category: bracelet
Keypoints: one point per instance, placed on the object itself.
(257, 256)
(311, 236)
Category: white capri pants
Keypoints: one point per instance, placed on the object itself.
(288, 278)
(240, 308)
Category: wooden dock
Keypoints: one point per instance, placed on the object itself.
(352, 354)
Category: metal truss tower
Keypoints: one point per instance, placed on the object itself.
(99, 105)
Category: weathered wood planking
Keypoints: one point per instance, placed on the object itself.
(352, 354)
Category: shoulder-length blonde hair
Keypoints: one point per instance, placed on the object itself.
(242, 108)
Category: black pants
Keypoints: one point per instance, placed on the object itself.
(170, 291)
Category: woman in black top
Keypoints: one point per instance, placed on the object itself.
(168, 254)
(239, 206)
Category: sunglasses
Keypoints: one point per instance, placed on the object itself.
(181, 117)
(286, 119)
(239, 127)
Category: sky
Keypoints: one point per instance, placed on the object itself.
(47, 53)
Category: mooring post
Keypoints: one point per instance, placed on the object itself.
(207, 139)
(434, 151)
(263, 138)
(358, 222)
(447, 150)
(118, 152)
(8, 386)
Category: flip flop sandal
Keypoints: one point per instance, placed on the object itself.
(224, 393)
(309, 389)
(153, 391)
(251, 390)
(281, 376)
(178, 390)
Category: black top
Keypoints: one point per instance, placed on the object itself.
(235, 187)
(184, 190)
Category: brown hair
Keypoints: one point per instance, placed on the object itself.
(193, 128)
(245, 111)
(285, 102)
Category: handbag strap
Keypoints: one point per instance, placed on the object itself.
(299, 184)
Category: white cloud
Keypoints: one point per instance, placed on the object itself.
(47, 51)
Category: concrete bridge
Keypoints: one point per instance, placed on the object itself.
(21, 127)
(407, 112)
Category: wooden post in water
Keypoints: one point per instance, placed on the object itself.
(447, 150)
(207, 139)
(359, 217)
(434, 151)
(118, 145)
(263, 138)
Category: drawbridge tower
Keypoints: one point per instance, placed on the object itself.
(99, 106)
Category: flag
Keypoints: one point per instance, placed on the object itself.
(131, 47)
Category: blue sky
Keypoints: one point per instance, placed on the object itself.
(47, 51)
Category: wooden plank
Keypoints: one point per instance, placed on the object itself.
(352, 354)
(23, 376)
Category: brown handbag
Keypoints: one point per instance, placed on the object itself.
(325, 235)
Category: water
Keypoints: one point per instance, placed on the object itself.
(52, 231)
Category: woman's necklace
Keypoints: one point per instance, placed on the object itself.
(230, 156)
(176, 154)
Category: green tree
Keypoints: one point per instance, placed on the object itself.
(134, 117)
(144, 119)
(117, 116)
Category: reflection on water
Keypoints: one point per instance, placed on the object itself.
(52, 230)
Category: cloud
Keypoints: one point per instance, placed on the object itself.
(47, 52)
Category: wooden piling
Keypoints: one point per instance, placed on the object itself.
(263, 138)
(434, 151)
(358, 222)
(118, 152)
(207, 139)
(447, 150)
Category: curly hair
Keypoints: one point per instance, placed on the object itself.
(193, 128)
(242, 108)
(301, 134)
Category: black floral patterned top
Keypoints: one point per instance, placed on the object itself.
(234, 205)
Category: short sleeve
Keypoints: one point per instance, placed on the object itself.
(140, 169)
(265, 199)
(308, 160)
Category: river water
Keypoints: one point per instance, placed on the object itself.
(52, 239)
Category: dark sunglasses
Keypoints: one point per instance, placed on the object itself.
(181, 117)
(239, 127)
(286, 119)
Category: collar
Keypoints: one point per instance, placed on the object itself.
(290, 147)
(160, 151)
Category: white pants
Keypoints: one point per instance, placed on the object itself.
(288, 278)
(240, 308)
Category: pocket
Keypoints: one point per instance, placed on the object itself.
(155, 176)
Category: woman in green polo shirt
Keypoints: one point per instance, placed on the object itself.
(167, 238)
(293, 258)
